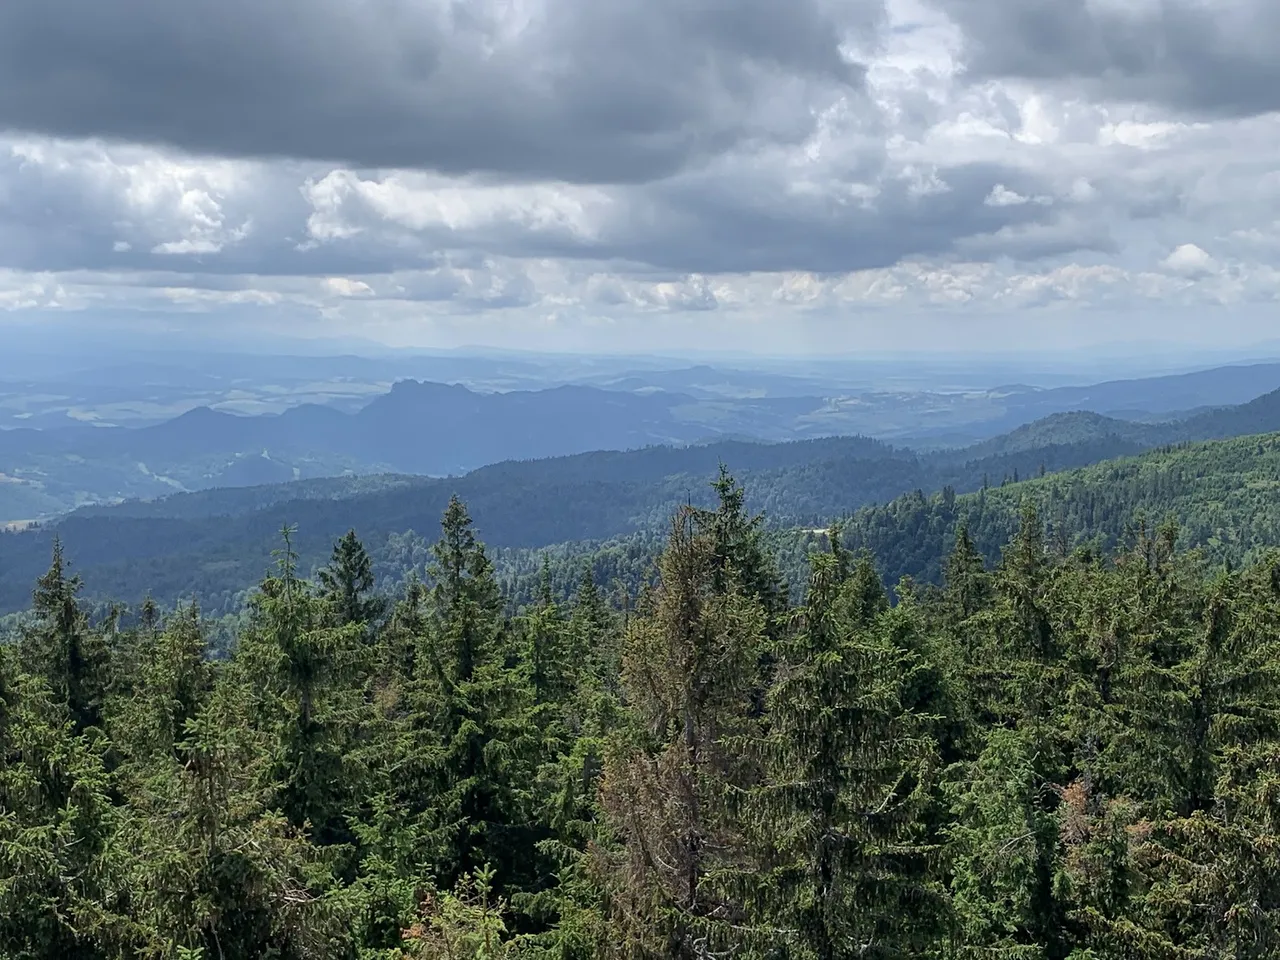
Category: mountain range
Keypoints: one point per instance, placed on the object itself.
(214, 544)
(439, 429)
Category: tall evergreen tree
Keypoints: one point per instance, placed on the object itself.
(61, 647)
(306, 665)
(216, 872)
(548, 656)
(466, 602)
(1003, 853)
(347, 583)
(966, 585)
(1008, 796)
(838, 815)
(689, 673)
(738, 546)
(1215, 884)
(475, 753)
(862, 594)
(60, 873)
(594, 637)
(175, 678)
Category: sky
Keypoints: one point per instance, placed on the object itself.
(773, 176)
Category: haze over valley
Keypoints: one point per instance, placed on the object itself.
(142, 428)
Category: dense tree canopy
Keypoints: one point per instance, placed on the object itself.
(1066, 749)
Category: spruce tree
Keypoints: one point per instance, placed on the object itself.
(966, 585)
(347, 583)
(305, 665)
(216, 871)
(575, 732)
(1214, 882)
(737, 543)
(548, 657)
(862, 594)
(838, 817)
(473, 752)
(465, 600)
(61, 873)
(1007, 798)
(1003, 853)
(594, 638)
(174, 679)
(689, 674)
(61, 647)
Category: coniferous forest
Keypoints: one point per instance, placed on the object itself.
(1069, 755)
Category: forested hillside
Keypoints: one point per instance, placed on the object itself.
(440, 429)
(1260, 415)
(215, 544)
(1068, 755)
(1223, 495)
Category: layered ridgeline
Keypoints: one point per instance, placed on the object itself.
(214, 545)
(1218, 498)
(446, 429)
(1067, 757)
(424, 428)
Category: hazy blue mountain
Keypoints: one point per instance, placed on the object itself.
(215, 543)
(321, 423)
(1145, 399)
(1259, 415)
(1067, 428)
(424, 428)
(707, 382)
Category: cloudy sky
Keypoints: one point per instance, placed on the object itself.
(772, 175)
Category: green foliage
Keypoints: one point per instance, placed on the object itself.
(688, 675)
(60, 647)
(1222, 495)
(1070, 752)
(214, 545)
(347, 583)
(59, 878)
(838, 815)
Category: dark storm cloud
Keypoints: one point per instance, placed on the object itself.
(579, 90)
(709, 226)
(1210, 58)
(88, 207)
(732, 220)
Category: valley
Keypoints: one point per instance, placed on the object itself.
(451, 428)
(214, 545)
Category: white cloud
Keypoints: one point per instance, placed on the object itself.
(1190, 260)
(133, 198)
(346, 287)
(1142, 136)
(1002, 196)
(934, 194)
(345, 204)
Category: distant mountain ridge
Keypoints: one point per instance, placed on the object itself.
(423, 428)
(1151, 400)
(445, 429)
(420, 427)
(1259, 415)
(215, 543)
